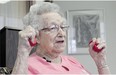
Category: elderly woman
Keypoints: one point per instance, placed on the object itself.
(47, 30)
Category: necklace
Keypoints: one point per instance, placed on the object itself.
(48, 59)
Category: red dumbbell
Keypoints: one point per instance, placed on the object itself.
(32, 43)
(95, 48)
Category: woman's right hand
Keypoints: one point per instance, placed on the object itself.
(26, 37)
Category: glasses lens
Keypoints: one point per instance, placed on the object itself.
(65, 28)
(56, 28)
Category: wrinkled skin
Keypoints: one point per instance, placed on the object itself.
(98, 57)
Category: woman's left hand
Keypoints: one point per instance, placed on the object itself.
(97, 51)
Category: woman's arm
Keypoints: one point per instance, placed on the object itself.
(21, 66)
(24, 48)
(99, 57)
(102, 65)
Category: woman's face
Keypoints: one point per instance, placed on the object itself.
(52, 38)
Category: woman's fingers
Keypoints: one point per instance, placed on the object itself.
(97, 45)
(92, 42)
(28, 32)
(101, 45)
(29, 35)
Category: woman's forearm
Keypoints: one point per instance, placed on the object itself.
(21, 65)
(102, 67)
(104, 70)
(24, 48)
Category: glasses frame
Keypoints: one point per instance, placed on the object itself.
(56, 28)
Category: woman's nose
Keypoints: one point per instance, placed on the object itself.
(61, 33)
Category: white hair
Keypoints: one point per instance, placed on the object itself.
(34, 18)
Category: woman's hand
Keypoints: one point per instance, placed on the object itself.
(25, 45)
(97, 52)
(27, 40)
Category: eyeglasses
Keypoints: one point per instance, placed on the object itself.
(55, 28)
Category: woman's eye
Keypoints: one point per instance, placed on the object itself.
(52, 28)
(62, 28)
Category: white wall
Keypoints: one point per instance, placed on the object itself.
(110, 23)
(1, 15)
(11, 14)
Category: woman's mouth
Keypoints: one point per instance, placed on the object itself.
(60, 41)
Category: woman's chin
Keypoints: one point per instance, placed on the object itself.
(59, 51)
(60, 46)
